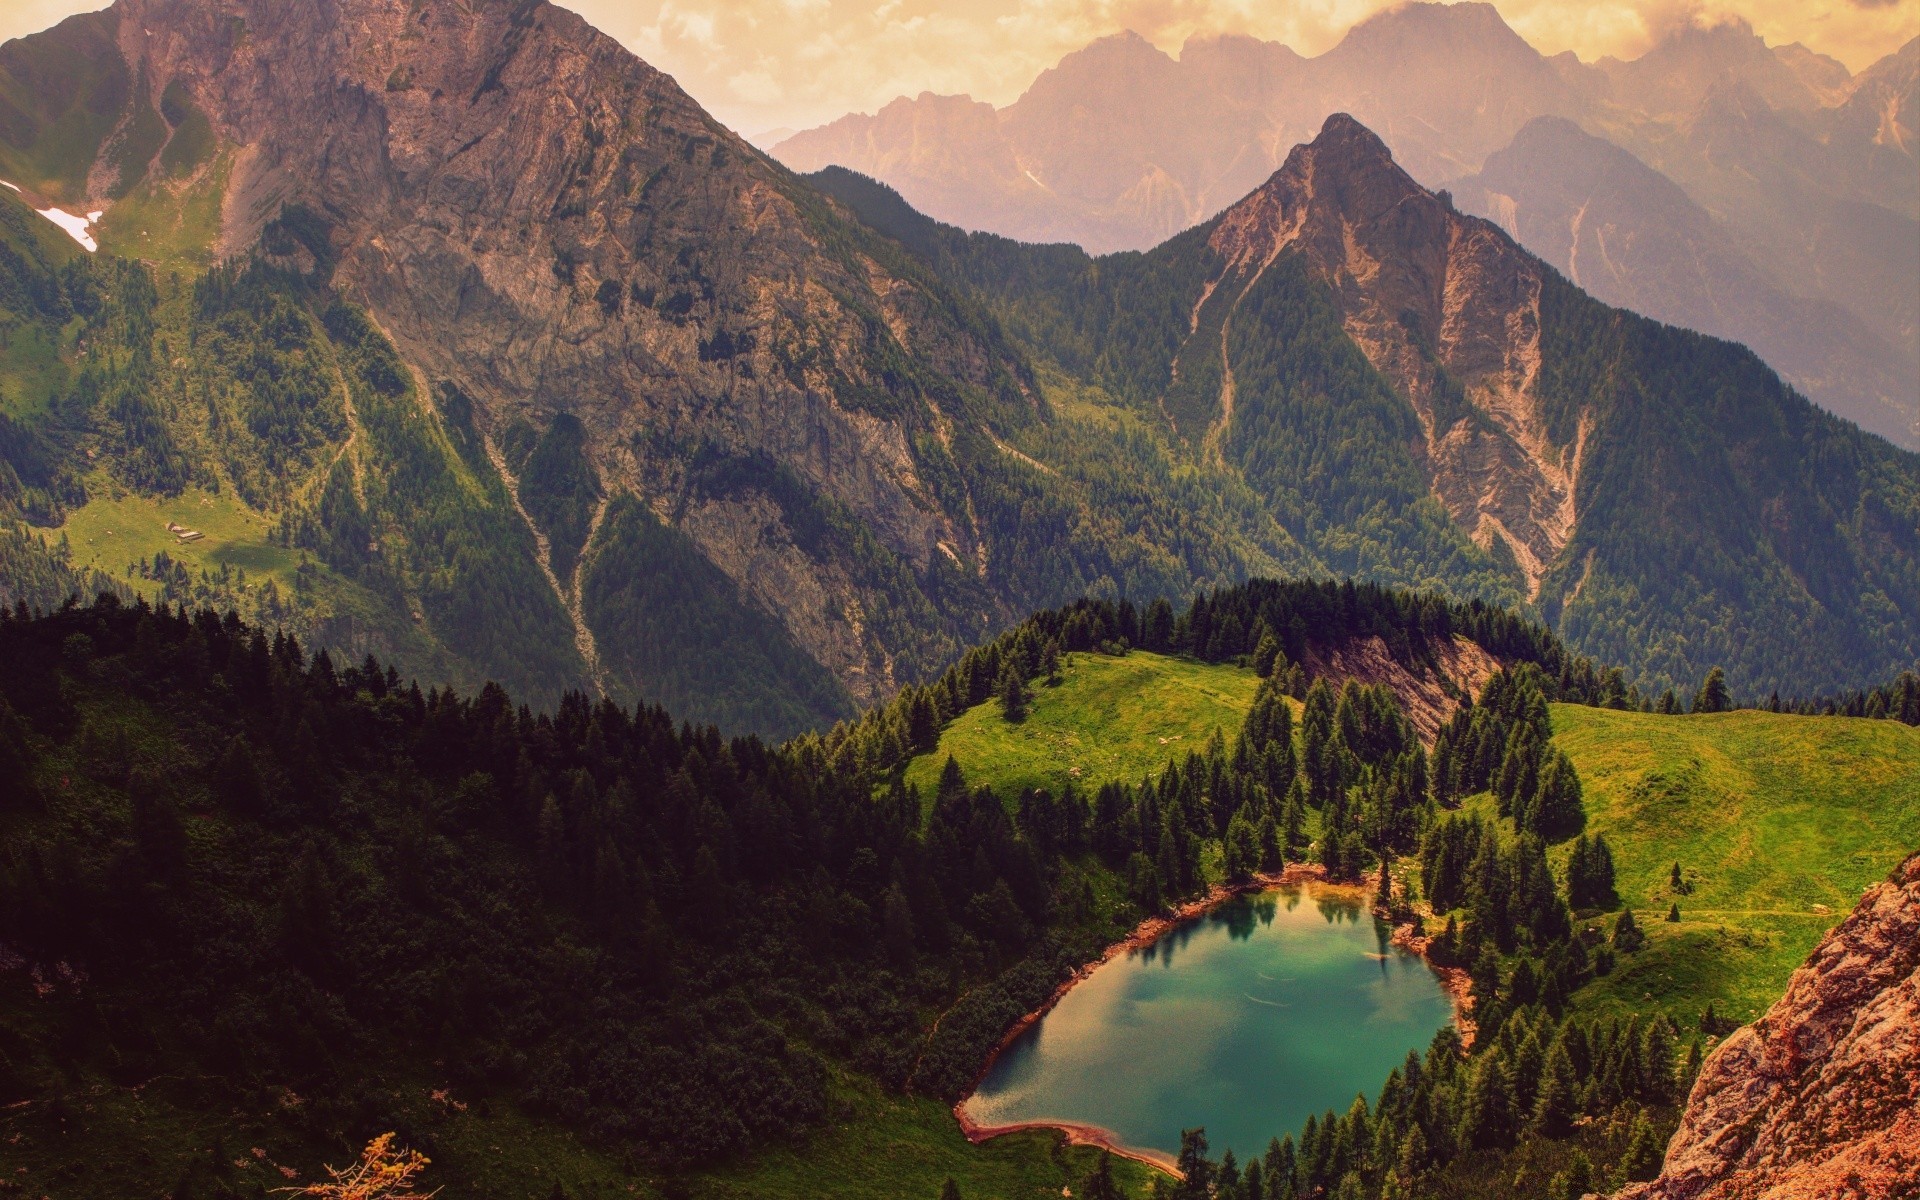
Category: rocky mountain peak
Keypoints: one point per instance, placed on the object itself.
(1439, 302)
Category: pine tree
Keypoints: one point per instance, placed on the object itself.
(1012, 691)
(1626, 933)
(1195, 1168)
(1641, 1162)
(1575, 1182)
(949, 1190)
(1558, 1103)
(1673, 913)
(1265, 655)
(1712, 696)
(1100, 1185)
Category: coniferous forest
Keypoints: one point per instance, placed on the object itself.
(234, 860)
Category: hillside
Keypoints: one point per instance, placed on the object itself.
(1818, 1097)
(696, 437)
(701, 439)
(1107, 720)
(1420, 400)
(1778, 822)
(254, 898)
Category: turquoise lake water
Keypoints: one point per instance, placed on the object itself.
(1246, 1021)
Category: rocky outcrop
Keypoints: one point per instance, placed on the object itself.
(1821, 1097)
(1437, 301)
(1429, 692)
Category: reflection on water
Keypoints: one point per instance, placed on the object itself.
(1246, 1021)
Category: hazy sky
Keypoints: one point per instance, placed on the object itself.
(758, 64)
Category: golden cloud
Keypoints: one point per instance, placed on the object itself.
(764, 63)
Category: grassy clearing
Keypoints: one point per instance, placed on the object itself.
(111, 531)
(1778, 823)
(170, 224)
(1109, 720)
(899, 1148)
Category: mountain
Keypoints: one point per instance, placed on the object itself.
(1818, 1096)
(1631, 237)
(1807, 170)
(518, 366)
(1354, 348)
(475, 344)
(1121, 146)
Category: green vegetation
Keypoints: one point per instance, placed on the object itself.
(168, 222)
(1669, 571)
(1777, 822)
(116, 529)
(62, 92)
(1108, 720)
(889, 1146)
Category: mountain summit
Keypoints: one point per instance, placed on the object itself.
(1417, 398)
(697, 437)
(1444, 307)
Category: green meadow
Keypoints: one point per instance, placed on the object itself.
(1778, 822)
(1108, 720)
(113, 530)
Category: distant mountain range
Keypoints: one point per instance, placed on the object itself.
(1807, 175)
(468, 339)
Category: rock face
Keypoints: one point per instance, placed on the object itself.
(1821, 1097)
(1433, 298)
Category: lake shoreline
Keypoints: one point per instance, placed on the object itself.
(1144, 934)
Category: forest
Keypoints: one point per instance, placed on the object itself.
(236, 859)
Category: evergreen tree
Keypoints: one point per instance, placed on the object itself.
(1266, 655)
(1673, 913)
(1712, 696)
(1100, 1184)
(1574, 1183)
(1641, 1162)
(1012, 690)
(949, 1190)
(1558, 1102)
(1626, 933)
(1196, 1169)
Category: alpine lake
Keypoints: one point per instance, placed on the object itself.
(1270, 1008)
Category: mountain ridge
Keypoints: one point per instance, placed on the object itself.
(1122, 159)
(1569, 440)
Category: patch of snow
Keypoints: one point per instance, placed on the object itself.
(76, 227)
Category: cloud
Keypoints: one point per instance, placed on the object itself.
(762, 63)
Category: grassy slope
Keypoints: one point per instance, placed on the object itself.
(1778, 823)
(111, 531)
(1113, 719)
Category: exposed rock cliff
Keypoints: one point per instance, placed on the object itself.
(1436, 300)
(1821, 1097)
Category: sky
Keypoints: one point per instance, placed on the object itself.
(765, 64)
